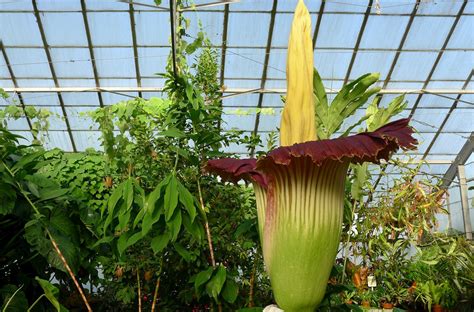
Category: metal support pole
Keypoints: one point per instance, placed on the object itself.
(448, 207)
(465, 202)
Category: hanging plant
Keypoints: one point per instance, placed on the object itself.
(299, 186)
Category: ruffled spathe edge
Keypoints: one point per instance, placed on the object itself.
(233, 170)
(359, 148)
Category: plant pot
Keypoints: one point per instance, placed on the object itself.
(387, 306)
(437, 308)
(365, 303)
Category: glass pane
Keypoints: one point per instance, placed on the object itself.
(244, 63)
(69, 82)
(13, 24)
(282, 27)
(117, 82)
(439, 7)
(72, 62)
(19, 124)
(242, 84)
(331, 64)
(153, 82)
(346, 6)
(28, 62)
(272, 100)
(112, 98)
(421, 32)
(270, 120)
(241, 119)
(115, 62)
(277, 64)
(339, 30)
(6, 83)
(431, 100)
(414, 65)
(275, 84)
(212, 24)
(395, 7)
(462, 36)
(152, 28)
(461, 120)
(448, 143)
(440, 84)
(81, 99)
(78, 120)
(467, 97)
(40, 99)
(87, 139)
(251, 5)
(424, 140)
(384, 32)
(244, 100)
(290, 5)
(110, 29)
(372, 62)
(40, 83)
(152, 60)
(242, 28)
(64, 29)
(107, 5)
(59, 139)
(10, 5)
(56, 120)
(428, 120)
(59, 5)
(3, 68)
(454, 65)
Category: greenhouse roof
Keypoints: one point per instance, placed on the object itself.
(73, 56)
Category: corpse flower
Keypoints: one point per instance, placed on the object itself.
(299, 186)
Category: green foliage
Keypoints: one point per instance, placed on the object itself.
(51, 292)
(36, 208)
(330, 117)
(39, 119)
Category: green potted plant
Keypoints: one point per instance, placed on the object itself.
(435, 295)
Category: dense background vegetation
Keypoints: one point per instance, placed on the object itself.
(139, 226)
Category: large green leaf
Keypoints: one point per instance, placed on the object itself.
(160, 242)
(171, 197)
(202, 278)
(230, 291)
(187, 199)
(330, 118)
(174, 225)
(214, 286)
(51, 292)
(182, 251)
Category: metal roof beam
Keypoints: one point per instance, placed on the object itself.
(135, 48)
(318, 23)
(359, 39)
(173, 19)
(91, 50)
(53, 72)
(265, 68)
(229, 90)
(461, 159)
(13, 78)
(223, 54)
